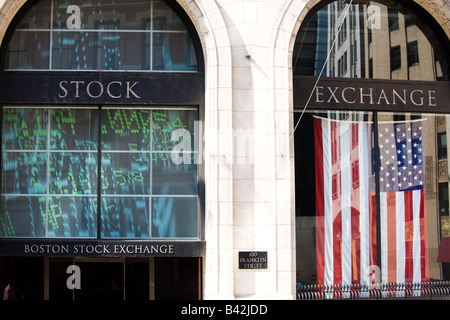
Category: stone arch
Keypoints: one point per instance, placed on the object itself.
(206, 28)
(292, 14)
(209, 23)
(7, 13)
(438, 9)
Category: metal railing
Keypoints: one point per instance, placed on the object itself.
(438, 290)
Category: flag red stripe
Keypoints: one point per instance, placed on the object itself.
(373, 229)
(320, 223)
(424, 237)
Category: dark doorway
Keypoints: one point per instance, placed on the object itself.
(25, 274)
(57, 277)
(137, 279)
(104, 278)
(101, 280)
(178, 279)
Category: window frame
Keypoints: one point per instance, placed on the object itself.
(190, 29)
(48, 152)
(306, 97)
(44, 92)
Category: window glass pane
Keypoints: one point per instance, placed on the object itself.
(338, 169)
(337, 166)
(173, 52)
(72, 217)
(37, 17)
(73, 129)
(126, 129)
(170, 127)
(165, 18)
(28, 50)
(73, 173)
(33, 164)
(126, 173)
(50, 166)
(100, 50)
(171, 178)
(413, 178)
(442, 145)
(174, 217)
(125, 217)
(130, 166)
(115, 35)
(74, 50)
(379, 33)
(393, 19)
(413, 53)
(24, 129)
(396, 60)
(24, 172)
(104, 14)
(22, 216)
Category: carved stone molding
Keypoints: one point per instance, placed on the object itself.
(443, 171)
(7, 13)
(440, 10)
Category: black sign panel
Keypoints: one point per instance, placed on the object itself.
(253, 260)
(102, 88)
(100, 248)
(370, 94)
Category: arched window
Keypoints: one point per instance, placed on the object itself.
(373, 40)
(101, 102)
(371, 98)
(109, 35)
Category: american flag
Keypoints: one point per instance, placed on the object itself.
(401, 160)
(403, 245)
(346, 239)
(345, 218)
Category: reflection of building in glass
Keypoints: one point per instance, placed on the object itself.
(346, 25)
(356, 39)
(113, 36)
(52, 175)
(374, 40)
(410, 55)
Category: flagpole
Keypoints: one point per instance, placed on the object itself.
(377, 191)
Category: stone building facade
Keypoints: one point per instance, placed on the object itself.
(248, 144)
